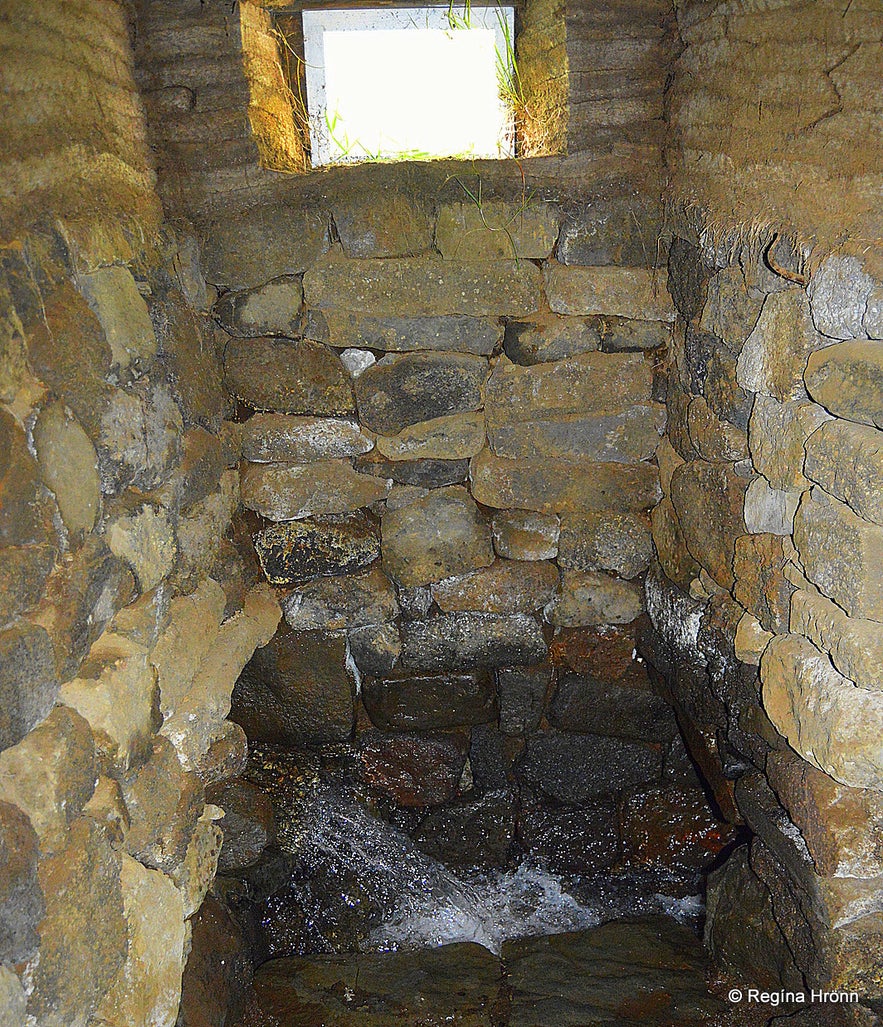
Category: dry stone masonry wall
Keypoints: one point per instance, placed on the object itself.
(767, 601)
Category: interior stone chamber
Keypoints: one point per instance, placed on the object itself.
(451, 551)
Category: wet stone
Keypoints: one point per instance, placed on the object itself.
(435, 537)
(506, 586)
(248, 823)
(271, 309)
(425, 702)
(21, 522)
(522, 695)
(424, 474)
(462, 641)
(572, 841)
(289, 377)
(617, 542)
(470, 834)
(526, 535)
(847, 379)
(375, 648)
(577, 768)
(348, 601)
(587, 706)
(547, 336)
(399, 391)
(285, 492)
(414, 602)
(414, 769)
(300, 550)
(455, 333)
(269, 438)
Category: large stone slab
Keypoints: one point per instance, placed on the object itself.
(112, 294)
(826, 718)
(602, 541)
(622, 230)
(709, 500)
(382, 223)
(457, 333)
(593, 707)
(346, 601)
(414, 769)
(420, 287)
(496, 230)
(768, 509)
(774, 357)
(452, 437)
(777, 433)
(299, 550)
(399, 391)
(620, 291)
(547, 336)
(464, 641)
(271, 309)
(290, 492)
(268, 438)
(427, 702)
(506, 586)
(846, 459)
(559, 486)
(847, 379)
(414, 474)
(589, 597)
(290, 377)
(841, 553)
(436, 537)
(855, 645)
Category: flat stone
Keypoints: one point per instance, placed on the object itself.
(606, 653)
(299, 550)
(83, 935)
(414, 769)
(287, 492)
(21, 901)
(69, 467)
(248, 823)
(526, 535)
(617, 542)
(21, 518)
(830, 722)
(143, 537)
(23, 574)
(588, 706)
(423, 474)
(506, 586)
(547, 336)
(399, 391)
(713, 438)
(774, 357)
(348, 601)
(578, 768)
(271, 309)
(620, 291)
(463, 641)
(112, 294)
(709, 500)
(456, 333)
(434, 538)
(375, 648)
(589, 597)
(288, 376)
(424, 286)
(768, 509)
(840, 825)
(558, 486)
(623, 334)
(730, 312)
(622, 230)
(427, 702)
(724, 394)
(268, 438)
(855, 645)
(296, 690)
(671, 547)
(572, 840)
(116, 692)
(262, 244)
(50, 775)
(522, 692)
(470, 835)
(452, 437)
(28, 680)
(496, 230)
(840, 292)
(846, 459)
(847, 379)
(777, 433)
(382, 223)
(841, 553)
(163, 803)
(147, 987)
(452, 984)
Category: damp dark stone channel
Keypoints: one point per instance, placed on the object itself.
(442, 592)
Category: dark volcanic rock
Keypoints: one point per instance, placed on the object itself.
(375, 648)
(414, 769)
(579, 768)
(462, 641)
(572, 841)
(296, 551)
(419, 702)
(248, 823)
(21, 901)
(426, 474)
(346, 601)
(401, 390)
(458, 333)
(585, 705)
(470, 834)
(296, 690)
(522, 697)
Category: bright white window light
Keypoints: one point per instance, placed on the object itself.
(408, 83)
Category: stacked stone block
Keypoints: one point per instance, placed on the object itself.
(768, 541)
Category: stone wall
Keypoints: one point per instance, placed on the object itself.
(767, 604)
